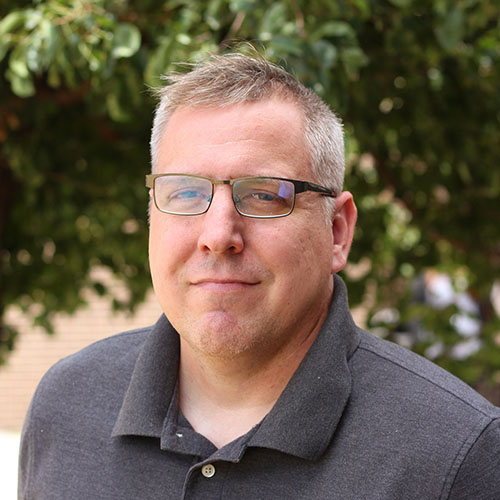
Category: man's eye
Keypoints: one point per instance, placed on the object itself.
(186, 194)
(261, 196)
(264, 196)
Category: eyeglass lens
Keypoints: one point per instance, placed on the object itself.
(181, 194)
(263, 197)
(258, 197)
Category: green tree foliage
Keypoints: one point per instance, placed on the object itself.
(417, 83)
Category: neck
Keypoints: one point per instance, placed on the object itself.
(224, 398)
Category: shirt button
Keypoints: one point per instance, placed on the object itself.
(208, 470)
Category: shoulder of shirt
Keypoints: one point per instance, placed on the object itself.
(388, 356)
(116, 345)
(100, 361)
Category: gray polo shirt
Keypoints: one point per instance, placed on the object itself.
(360, 419)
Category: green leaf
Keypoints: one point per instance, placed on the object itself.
(53, 77)
(21, 86)
(242, 5)
(126, 40)
(333, 28)
(183, 39)
(451, 31)
(327, 51)
(212, 15)
(11, 22)
(284, 45)
(273, 20)
(17, 62)
(86, 52)
(33, 58)
(33, 18)
(364, 7)
(115, 108)
(354, 59)
(50, 37)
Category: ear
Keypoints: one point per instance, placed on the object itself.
(343, 223)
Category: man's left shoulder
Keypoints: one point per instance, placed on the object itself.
(429, 418)
(419, 381)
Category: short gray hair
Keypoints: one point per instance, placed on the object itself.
(237, 78)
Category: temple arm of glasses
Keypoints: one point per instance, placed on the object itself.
(301, 186)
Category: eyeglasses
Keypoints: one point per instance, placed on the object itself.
(259, 197)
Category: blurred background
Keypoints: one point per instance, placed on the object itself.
(417, 83)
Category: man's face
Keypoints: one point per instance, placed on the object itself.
(233, 285)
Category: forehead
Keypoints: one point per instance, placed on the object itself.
(267, 132)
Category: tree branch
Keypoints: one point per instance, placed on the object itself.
(235, 26)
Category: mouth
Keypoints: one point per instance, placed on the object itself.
(223, 285)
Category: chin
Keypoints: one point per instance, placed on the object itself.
(220, 335)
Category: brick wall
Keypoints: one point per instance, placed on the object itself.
(36, 351)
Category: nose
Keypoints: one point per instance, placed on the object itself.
(222, 225)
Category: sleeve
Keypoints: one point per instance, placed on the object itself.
(26, 456)
(479, 475)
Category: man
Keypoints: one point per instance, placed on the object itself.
(256, 384)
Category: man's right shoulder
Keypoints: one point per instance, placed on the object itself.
(107, 363)
(117, 349)
(74, 408)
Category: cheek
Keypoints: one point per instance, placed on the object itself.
(169, 248)
(311, 246)
(300, 257)
(316, 259)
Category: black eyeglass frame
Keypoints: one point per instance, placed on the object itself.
(299, 187)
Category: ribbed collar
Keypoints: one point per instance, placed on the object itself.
(304, 418)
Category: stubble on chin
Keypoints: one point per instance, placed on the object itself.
(221, 335)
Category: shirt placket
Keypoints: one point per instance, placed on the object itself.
(205, 480)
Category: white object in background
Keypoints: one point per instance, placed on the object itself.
(9, 452)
